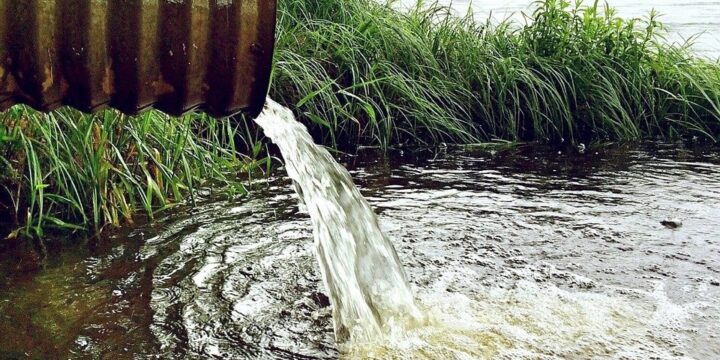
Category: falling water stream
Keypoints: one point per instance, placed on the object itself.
(528, 252)
(360, 268)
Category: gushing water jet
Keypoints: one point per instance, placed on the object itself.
(361, 270)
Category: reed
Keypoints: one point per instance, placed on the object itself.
(71, 171)
(361, 72)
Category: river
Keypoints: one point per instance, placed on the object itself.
(515, 253)
(684, 19)
(532, 252)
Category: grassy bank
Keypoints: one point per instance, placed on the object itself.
(360, 72)
(70, 171)
(363, 72)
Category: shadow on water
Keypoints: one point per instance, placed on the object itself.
(526, 233)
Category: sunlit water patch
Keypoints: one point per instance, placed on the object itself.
(513, 253)
(697, 21)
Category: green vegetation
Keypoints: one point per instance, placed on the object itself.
(71, 171)
(361, 72)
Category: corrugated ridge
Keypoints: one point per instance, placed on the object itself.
(174, 55)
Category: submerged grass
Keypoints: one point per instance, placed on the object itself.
(361, 72)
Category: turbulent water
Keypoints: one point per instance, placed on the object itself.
(526, 253)
(360, 268)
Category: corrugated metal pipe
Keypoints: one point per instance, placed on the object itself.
(174, 55)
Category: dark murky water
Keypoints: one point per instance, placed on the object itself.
(549, 254)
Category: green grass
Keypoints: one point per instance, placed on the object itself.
(70, 171)
(360, 72)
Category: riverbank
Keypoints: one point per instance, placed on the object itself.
(362, 73)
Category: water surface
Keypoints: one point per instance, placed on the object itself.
(685, 19)
(525, 253)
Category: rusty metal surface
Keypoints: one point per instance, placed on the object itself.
(174, 55)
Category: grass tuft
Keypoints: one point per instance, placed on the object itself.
(71, 171)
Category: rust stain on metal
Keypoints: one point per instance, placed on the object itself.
(49, 81)
(64, 86)
(108, 80)
(8, 85)
(211, 55)
(162, 87)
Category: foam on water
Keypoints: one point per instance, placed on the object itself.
(537, 321)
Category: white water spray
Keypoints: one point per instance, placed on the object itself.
(363, 275)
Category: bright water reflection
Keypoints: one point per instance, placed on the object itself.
(684, 19)
(516, 253)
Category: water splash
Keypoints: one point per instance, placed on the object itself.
(362, 273)
(510, 258)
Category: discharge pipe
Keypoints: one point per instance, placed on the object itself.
(174, 55)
